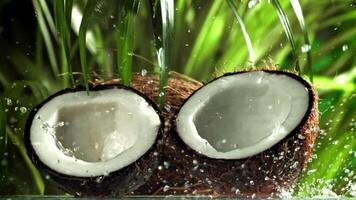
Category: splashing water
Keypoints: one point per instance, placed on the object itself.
(252, 3)
(345, 47)
(305, 48)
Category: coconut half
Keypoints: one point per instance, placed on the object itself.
(241, 115)
(93, 143)
(245, 134)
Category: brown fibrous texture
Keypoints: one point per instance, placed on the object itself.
(185, 172)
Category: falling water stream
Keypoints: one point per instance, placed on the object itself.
(163, 31)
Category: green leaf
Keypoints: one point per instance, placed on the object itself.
(3, 124)
(125, 38)
(244, 31)
(104, 61)
(289, 32)
(163, 31)
(48, 16)
(207, 40)
(46, 37)
(18, 142)
(298, 12)
(88, 11)
(65, 43)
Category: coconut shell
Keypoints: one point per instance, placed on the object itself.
(186, 172)
(116, 183)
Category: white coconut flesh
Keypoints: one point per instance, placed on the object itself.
(241, 115)
(80, 135)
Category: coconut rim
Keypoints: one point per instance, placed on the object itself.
(38, 162)
(297, 129)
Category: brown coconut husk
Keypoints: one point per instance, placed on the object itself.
(186, 172)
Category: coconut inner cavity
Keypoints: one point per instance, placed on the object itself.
(94, 132)
(241, 115)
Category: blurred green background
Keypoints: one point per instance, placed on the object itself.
(49, 45)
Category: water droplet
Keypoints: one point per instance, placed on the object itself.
(252, 183)
(166, 188)
(143, 72)
(23, 109)
(112, 16)
(166, 164)
(8, 101)
(253, 3)
(300, 136)
(99, 179)
(345, 47)
(167, 108)
(305, 48)
(161, 94)
(309, 172)
(60, 124)
(237, 191)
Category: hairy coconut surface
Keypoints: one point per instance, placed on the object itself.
(185, 172)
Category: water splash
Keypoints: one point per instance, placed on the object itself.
(305, 48)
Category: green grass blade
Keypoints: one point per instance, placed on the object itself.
(163, 31)
(342, 37)
(299, 13)
(68, 11)
(167, 11)
(46, 37)
(39, 48)
(18, 142)
(125, 38)
(207, 40)
(103, 57)
(65, 43)
(24, 65)
(3, 124)
(48, 16)
(88, 11)
(244, 31)
(288, 30)
(67, 25)
(77, 16)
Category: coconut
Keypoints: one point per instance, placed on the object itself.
(104, 143)
(236, 157)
